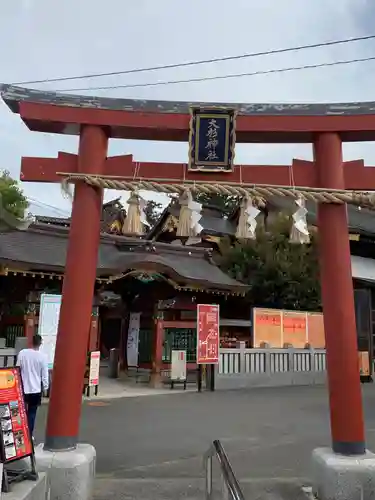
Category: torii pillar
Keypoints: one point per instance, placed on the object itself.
(346, 411)
(77, 296)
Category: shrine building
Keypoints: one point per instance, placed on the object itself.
(157, 275)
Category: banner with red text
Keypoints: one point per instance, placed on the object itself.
(278, 328)
(208, 337)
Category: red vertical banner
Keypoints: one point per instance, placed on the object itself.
(208, 335)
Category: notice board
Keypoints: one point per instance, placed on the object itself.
(278, 327)
(208, 337)
(49, 316)
(294, 329)
(15, 434)
(267, 327)
(178, 365)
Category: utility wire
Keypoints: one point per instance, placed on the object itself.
(41, 204)
(220, 77)
(201, 62)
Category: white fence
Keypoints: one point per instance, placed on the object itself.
(248, 367)
(8, 358)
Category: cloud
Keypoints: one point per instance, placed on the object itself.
(65, 38)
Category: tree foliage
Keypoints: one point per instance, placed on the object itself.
(13, 198)
(280, 274)
(226, 203)
(152, 212)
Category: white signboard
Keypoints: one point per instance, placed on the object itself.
(94, 368)
(48, 323)
(178, 368)
(133, 339)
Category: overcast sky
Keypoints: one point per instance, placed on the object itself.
(52, 38)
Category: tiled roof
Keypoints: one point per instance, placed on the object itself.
(112, 210)
(212, 221)
(43, 247)
(56, 221)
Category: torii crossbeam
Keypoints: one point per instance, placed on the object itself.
(356, 175)
(95, 120)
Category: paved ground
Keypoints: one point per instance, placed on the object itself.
(152, 447)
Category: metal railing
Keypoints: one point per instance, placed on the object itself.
(231, 487)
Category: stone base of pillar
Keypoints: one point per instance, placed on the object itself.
(29, 490)
(156, 381)
(341, 477)
(70, 473)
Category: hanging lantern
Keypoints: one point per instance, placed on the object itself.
(135, 219)
(299, 232)
(190, 215)
(247, 221)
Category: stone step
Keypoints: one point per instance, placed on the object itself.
(193, 489)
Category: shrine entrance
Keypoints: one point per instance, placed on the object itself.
(212, 132)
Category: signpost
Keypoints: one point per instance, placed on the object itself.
(48, 323)
(92, 373)
(16, 442)
(178, 368)
(208, 340)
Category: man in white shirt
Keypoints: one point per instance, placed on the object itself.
(35, 378)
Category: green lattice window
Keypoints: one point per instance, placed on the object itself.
(11, 332)
(180, 339)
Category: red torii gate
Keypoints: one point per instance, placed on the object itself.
(95, 120)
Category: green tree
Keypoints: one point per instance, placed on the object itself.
(13, 198)
(226, 203)
(280, 274)
(152, 211)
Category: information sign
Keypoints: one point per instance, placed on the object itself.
(208, 335)
(16, 439)
(178, 368)
(50, 305)
(94, 368)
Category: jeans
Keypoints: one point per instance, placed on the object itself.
(32, 401)
(31, 416)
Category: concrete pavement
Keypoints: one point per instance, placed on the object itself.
(152, 447)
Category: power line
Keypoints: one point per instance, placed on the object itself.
(220, 77)
(46, 205)
(201, 62)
